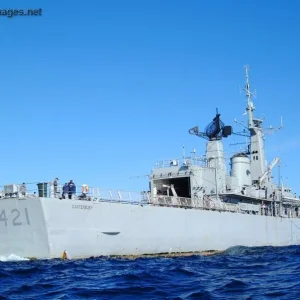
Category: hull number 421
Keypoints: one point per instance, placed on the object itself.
(14, 217)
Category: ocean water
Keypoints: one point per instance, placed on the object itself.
(238, 273)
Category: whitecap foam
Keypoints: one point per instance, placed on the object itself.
(12, 257)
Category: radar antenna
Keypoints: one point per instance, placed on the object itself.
(215, 130)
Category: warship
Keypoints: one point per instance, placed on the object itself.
(194, 204)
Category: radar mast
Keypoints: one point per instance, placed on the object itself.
(250, 107)
(257, 151)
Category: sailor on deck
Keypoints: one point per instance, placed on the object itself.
(72, 189)
(55, 183)
(23, 189)
(66, 190)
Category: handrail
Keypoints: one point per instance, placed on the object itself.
(48, 190)
(206, 204)
(194, 161)
(142, 198)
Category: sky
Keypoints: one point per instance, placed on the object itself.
(99, 91)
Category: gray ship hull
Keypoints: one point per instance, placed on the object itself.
(45, 227)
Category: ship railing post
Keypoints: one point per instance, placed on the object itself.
(164, 200)
(174, 201)
(194, 202)
(167, 198)
(198, 203)
(51, 189)
(180, 201)
(160, 200)
(148, 197)
(119, 195)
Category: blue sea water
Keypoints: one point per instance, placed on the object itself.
(238, 273)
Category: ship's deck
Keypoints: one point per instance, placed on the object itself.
(261, 206)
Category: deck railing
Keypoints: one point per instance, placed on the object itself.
(187, 161)
(83, 192)
(142, 198)
(207, 203)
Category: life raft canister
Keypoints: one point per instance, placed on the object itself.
(85, 188)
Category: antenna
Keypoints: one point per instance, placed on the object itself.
(139, 176)
(245, 132)
(183, 151)
(193, 152)
(247, 86)
(240, 123)
(250, 106)
(272, 129)
(279, 174)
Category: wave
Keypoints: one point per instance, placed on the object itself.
(12, 257)
(237, 273)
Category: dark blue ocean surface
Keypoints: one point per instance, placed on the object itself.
(238, 273)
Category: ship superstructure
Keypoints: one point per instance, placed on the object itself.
(204, 181)
(194, 204)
